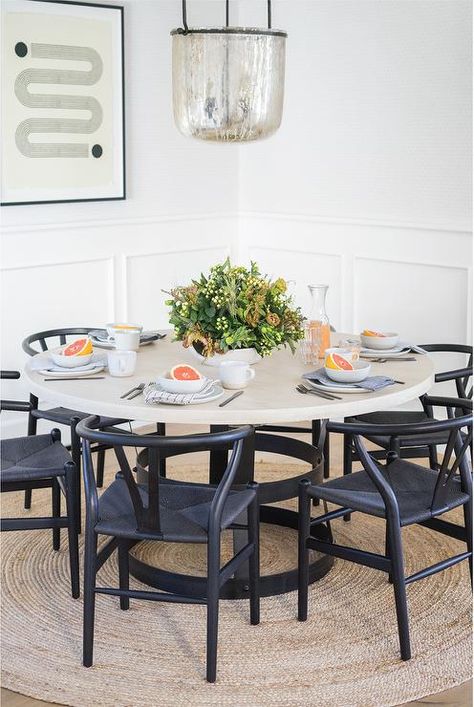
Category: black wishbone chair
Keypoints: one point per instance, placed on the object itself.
(64, 416)
(170, 511)
(413, 447)
(401, 492)
(41, 462)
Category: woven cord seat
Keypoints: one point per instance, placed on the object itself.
(41, 461)
(39, 457)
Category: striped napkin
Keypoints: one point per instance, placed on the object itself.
(154, 395)
(371, 383)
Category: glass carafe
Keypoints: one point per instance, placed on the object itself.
(318, 320)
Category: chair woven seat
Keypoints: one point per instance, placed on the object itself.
(35, 457)
(412, 484)
(184, 511)
(63, 416)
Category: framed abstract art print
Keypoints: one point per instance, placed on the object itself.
(62, 102)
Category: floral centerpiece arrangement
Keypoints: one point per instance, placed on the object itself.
(235, 308)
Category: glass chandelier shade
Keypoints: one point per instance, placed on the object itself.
(228, 83)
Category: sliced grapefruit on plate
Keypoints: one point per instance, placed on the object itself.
(369, 332)
(79, 347)
(338, 363)
(184, 372)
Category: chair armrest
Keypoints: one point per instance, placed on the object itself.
(15, 406)
(448, 402)
(9, 375)
(453, 375)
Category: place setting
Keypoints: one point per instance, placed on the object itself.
(345, 369)
(185, 385)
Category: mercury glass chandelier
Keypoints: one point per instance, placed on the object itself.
(228, 82)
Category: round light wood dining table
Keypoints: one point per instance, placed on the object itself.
(271, 399)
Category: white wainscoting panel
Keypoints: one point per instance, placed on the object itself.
(428, 303)
(117, 271)
(301, 267)
(148, 275)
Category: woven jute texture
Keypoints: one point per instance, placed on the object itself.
(345, 655)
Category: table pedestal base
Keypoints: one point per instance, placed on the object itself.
(237, 588)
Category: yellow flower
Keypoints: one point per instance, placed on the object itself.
(280, 285)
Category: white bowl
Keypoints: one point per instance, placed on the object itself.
(69, 361)
(388, 341)
(249, 356)
(172, 386)
(360, 373)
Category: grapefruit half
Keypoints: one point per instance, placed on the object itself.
(79, 347)
(338, 363)
(184, 372)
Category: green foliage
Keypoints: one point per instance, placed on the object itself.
(235, 308)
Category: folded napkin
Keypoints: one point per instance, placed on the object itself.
(371, 383)
(153, 395)
(413, 347)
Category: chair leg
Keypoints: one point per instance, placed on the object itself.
(90, 562)
(213, 562)
(76, 458)
(100, 468)
(326, 451)
(56, 512)
(32, 427)
(254, 561)
(71, 472)
(387, 550)
(304, 518)
(399, 587)
(467, 508)
(347, 463)
(124, 573)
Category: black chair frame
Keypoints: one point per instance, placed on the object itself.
(37, 414)
(392, 562)
(148, 525)
(429, 450)
(67, 485)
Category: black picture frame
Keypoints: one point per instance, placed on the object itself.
(123, 185)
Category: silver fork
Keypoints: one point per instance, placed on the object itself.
(327, 396)
(133, 392)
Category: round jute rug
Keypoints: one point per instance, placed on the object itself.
(345, 655)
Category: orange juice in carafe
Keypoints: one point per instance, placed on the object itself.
(318, 321)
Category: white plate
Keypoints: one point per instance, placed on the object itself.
(217, 391)
(337, 387)
(43, 361)
(388, 353)
(102, 344)
(73, 372)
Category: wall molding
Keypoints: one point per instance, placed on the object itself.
(238, 216)
(356, 221)
(117, 222)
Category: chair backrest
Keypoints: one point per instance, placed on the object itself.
(59, 336)
(159, 447)
(13, 405)
(461, 376)
(456, 459)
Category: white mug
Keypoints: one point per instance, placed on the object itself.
(126, 339)
(121, 363)
(235, 374)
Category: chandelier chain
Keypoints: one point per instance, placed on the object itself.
(227, 14)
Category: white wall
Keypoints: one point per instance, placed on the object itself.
(366, 186)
